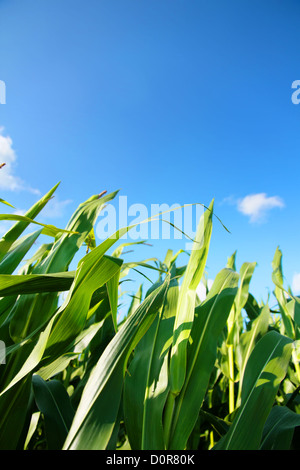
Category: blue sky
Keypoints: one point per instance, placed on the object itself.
(169, 101)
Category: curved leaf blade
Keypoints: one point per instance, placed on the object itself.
(187, 300)
(279, 429)
(54, 403)
(265, 369)
(146, 384)
(210, 319)
(96, 414)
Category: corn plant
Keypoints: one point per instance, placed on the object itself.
(174, 373)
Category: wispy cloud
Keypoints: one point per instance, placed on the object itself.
(9, 181)
(55, 208)
(255, 206)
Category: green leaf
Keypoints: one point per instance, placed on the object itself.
(252, 307)
(210, 319)
(54, 403)
(218, 424)
(13, 410)
(187, 300)
(41, 307)
(27, 361)
(48, 229)
(66, 246)
(247, 342)
(56, 366)
(5, 202)
(35, 283)
(92, 272)
(146, 384)
(293, 310)
(41, 253)
(231, 262)
(265, 370)
(113, 295)
(136, 300)
(16, 253)
(97, 412)
(277, 278)
(235, 320)
(246, 273)
(80, 343)
(32, 428)
(279, 429)
(14, 232)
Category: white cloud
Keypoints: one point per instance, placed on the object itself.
(296, 283)
(256, 206)
(8, 180)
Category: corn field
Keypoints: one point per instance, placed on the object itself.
(175, 373)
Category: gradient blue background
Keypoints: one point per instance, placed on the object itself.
(170, 101)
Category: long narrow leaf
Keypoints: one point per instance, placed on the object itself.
(210, 319)
(54, 403)
(13, 409)
(248, 340)
(279, 429)
(14, 232)
(16, 253)
(265, 369)
(41, 307)
(35, 283)
(95, 418)
(279, 291)
(146, 384)
(187, 299)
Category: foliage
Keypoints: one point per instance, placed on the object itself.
(174, 373)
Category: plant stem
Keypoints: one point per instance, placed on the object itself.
(231, 378)
(211, 440)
